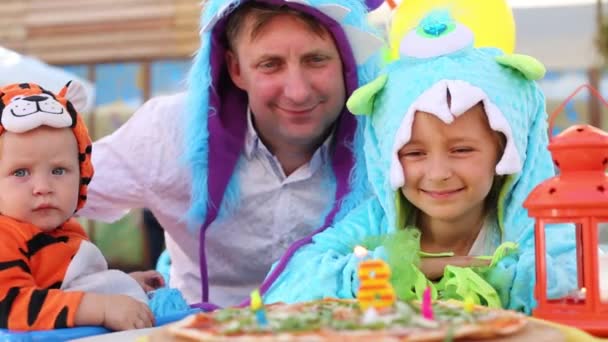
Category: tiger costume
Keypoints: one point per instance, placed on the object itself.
(32, 268)
(44, 274)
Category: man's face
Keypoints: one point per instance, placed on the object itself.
(39, 176)
(293, 77)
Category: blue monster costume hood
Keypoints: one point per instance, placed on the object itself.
(438, 58)
(216, 129)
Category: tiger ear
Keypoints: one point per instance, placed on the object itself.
(1, 110)
(76, 94)
(361, 102)
(2, 105)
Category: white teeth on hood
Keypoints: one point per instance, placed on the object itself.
(463, 97)
(363, 44)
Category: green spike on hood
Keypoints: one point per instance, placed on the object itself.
(530, 67)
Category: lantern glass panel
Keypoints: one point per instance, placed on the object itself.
(602, 228)
(554, 232)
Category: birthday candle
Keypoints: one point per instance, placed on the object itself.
(257, 306)
(427, 308)
(375, 289)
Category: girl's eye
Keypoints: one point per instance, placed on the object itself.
(21, 173)
(58, 171)
(463, 150)
(412, 154)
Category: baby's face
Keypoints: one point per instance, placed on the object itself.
(39, 176)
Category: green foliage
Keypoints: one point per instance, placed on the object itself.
(120, 242)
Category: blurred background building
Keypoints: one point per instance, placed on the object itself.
(126, 51)
(570, 38)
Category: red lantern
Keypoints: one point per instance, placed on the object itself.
(578, 196)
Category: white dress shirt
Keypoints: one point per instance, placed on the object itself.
(140, 165)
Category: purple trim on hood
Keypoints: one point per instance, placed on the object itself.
(205, 306)
(227, 128)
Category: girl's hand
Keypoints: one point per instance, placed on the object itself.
(433, 268)
(148, 280)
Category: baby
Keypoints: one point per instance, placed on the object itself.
(51, 275)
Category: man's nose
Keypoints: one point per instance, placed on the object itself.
(297, 85)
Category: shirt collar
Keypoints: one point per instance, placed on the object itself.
(251, 138)
(253, 144)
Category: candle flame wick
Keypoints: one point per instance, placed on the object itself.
(360, 252)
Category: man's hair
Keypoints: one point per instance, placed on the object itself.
(261, 14)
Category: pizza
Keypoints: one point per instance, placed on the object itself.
(342, 320)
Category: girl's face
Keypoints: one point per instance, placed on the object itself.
(449, 169)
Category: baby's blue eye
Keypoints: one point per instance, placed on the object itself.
(21, 173)
(58, 171)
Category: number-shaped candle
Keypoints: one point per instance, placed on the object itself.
(375, 290)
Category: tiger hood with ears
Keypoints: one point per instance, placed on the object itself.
(26, 106)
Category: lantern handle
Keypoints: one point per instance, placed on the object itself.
(561, 107)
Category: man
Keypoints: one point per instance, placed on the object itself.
(257, 155)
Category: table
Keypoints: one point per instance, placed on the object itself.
(128, 335)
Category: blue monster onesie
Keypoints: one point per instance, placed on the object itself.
(438, 58)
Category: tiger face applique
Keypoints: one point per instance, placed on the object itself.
(27, 106)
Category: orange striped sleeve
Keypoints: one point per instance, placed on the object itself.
(23, 304)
